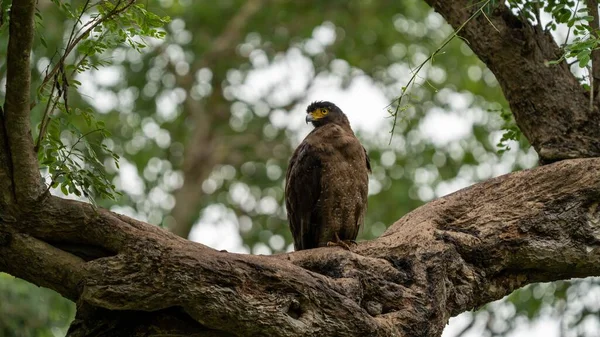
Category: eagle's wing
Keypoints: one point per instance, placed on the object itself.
(362, 210)
(302, 191)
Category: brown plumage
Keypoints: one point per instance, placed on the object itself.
(326, 183)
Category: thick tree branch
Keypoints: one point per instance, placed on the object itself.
(512, 230)
(549, 105)
(451, 255)
(26, 178)
(33, 259)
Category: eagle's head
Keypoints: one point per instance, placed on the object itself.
(323, 112)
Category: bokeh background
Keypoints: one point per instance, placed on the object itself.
(206, 120)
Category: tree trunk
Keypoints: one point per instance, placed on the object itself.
(202, 154)
(451, 255)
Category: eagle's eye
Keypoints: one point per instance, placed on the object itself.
(324, 111)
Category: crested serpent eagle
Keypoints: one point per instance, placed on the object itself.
(326, 183)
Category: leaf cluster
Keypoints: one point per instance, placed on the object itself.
(70, 139)
(511, 130)
(71, 156)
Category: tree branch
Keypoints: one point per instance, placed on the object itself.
(451, 255)
(231, 35)
(26, 179)
(517, 54)
(33, 259)
(74, 40)
(200, 156)
(6, 189)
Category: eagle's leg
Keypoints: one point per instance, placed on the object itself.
(341, 243)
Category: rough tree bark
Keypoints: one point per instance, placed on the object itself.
(453, 254)
(550, 107)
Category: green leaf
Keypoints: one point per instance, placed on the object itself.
(63, 189)
(584, 58)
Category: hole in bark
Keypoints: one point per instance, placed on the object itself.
(85, 251)
(373, 308)
(330, 268)
(92, 321)
(295, 310)
(404, 266)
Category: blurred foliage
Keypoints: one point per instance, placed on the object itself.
(217, 107)
(30, 311)
(568, 308)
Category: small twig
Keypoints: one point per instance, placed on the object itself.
(490, 21)
(411, 81)
(61, 69)
(78, 39)
(44, 124)
(58, 69)
(67, 156)
(536, 5)
(569, 30)
(83, 9)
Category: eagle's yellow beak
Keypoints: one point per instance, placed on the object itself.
(315, 115)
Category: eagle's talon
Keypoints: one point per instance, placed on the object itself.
(340, 243)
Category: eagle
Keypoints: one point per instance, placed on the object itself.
(326, 183)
